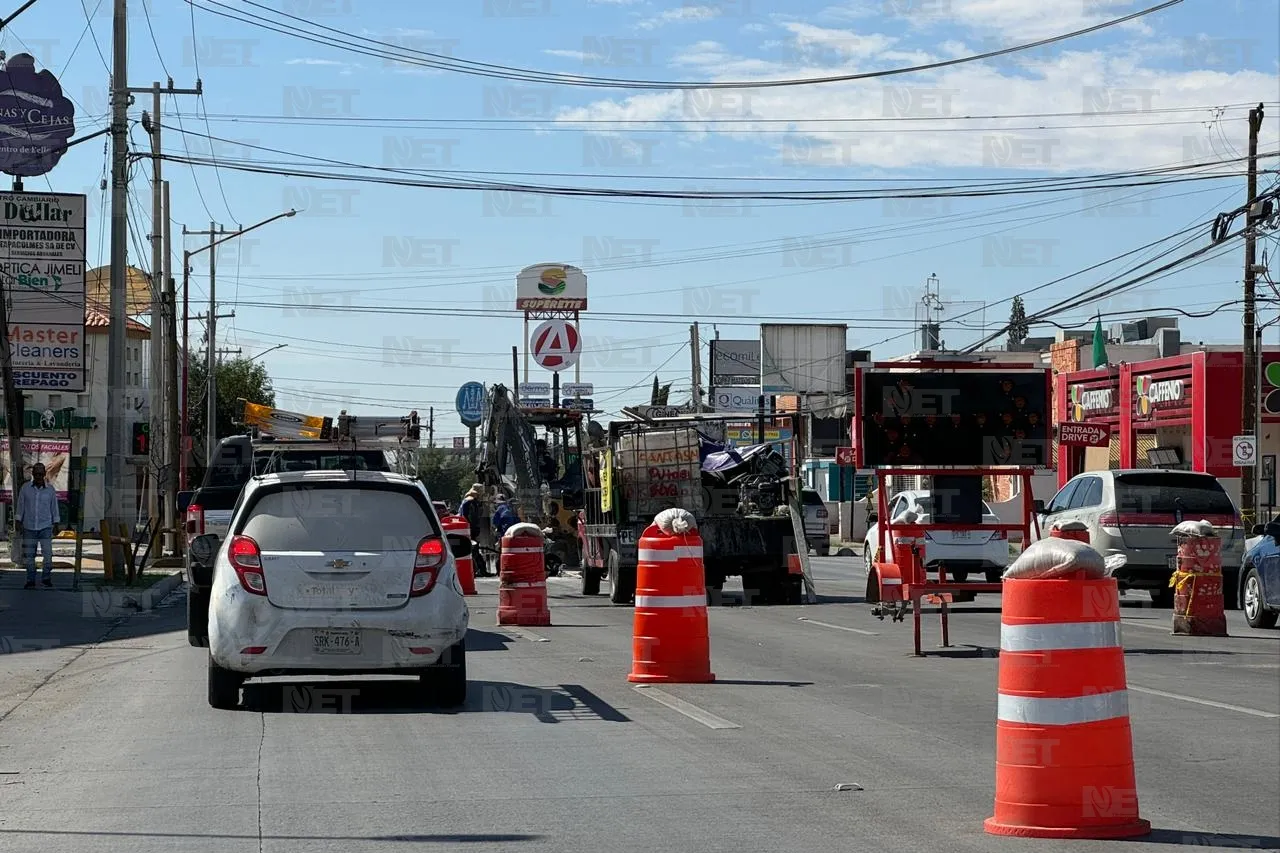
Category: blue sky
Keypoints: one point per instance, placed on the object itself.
(1133, 97)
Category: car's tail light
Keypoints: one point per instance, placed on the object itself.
(246, 559)
(427, 566)
(195, 522)
(1109, 519)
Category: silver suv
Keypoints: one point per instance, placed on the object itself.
(1132, 512)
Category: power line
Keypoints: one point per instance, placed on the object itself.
(384, 50)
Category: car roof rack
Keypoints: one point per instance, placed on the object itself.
(278, 426)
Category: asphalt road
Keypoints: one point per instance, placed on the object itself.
(822, 733)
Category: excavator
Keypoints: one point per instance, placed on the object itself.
(534, 455)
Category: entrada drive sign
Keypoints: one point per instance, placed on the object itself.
(1088, 435)
(1152, 394)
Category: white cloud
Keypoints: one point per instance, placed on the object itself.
(898, 133)
(1013, 21)
(680, 15)
(579, 55)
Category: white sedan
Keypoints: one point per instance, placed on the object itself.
(335, 573)
(961, 551)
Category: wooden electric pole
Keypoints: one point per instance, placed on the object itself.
(1249, 417)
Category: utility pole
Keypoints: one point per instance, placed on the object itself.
(211, 377)
(173, 438)
(114, 472)
(1248, 485)
(162, 345)
(13, 404)
(431, 427)
(695, 363)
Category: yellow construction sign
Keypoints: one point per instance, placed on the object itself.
(283, 424)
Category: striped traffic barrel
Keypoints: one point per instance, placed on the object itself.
(670, 639)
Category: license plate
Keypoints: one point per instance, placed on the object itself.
(1173, 563)
(331, 642)
(963, 535)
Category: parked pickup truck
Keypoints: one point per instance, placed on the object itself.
(240, 457)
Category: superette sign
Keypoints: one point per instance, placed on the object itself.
(42, 259)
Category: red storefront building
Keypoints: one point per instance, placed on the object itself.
(1185, 408)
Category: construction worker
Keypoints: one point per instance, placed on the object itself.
(471, 510)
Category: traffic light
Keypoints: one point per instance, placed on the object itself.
(141, 439)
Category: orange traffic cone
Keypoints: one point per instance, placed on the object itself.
(458, 530)
(1064, 750)
(670, 639)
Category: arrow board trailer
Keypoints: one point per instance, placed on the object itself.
(948, 425)
(739, 498)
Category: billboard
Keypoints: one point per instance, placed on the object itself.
(42, 257)
(53, 453)
(973, 418)
(551, 287)
(802, 359)
(38, 119)
(735, 363)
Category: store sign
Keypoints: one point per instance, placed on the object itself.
(42, 257)
(735, 363)
(1085, 400)
(1152, 394)
(1087, 435)
(744, 399)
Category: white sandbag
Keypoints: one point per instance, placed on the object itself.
(1195, 528)
(907, 516)
(675, 521)
(1055, 558)
(1070, 526)
(524, 528)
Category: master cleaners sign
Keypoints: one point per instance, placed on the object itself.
(42, 256)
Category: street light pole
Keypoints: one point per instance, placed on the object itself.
(265, 351)
(187, 255)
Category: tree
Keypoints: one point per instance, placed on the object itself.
(1018, 327)
(239, 378)
(447, 476)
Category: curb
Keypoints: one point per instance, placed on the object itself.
(114, 602)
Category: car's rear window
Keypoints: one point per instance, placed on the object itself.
(812, 498)
(1170, 493)
(337, 519)
(269, 462)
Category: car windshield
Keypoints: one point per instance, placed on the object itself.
(337, 519)
(925, 505)
(1167, 493)
(812, 498)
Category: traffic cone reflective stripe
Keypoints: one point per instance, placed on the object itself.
(1064, 748)
(671, 601)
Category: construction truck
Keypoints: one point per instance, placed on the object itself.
(276, 441)
(743, 500)
(533, 455)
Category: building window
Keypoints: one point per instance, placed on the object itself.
(83, 401)
(55, 401)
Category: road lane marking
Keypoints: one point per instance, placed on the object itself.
(1253, 712)
(809, 621)
(1233, 665)
(693, 712)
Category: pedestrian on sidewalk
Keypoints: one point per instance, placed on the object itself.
(37, 517)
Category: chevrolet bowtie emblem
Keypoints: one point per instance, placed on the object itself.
(338, 564)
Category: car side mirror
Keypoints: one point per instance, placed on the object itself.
(1037, 507)
(1273, 530)
(1259, 530)
(872, 518)
(204, 548)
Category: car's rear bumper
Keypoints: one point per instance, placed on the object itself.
(407, 638)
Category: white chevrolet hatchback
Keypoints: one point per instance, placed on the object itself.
(335, 573)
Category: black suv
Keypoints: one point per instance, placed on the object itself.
(239, 457)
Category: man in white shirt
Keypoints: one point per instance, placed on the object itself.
(37, 515)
